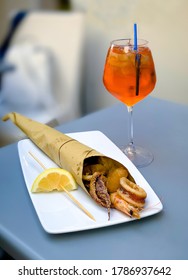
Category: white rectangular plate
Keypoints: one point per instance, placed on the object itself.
(56, 212)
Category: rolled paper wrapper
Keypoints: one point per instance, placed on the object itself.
(65, 151)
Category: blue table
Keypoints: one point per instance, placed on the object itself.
(159, 125)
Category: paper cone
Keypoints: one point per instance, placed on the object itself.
(65, 151)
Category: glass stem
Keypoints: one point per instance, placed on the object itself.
(130, 129)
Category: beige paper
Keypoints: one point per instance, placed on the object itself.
(65, 151)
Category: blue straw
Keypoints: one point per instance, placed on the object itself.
(135, 37)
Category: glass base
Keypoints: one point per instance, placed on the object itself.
(139, 156)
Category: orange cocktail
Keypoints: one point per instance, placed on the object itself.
(129, 75)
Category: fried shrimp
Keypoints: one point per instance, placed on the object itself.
(119, 203)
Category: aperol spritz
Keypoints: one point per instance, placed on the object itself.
(130, 76)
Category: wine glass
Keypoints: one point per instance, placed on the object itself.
(130, 76)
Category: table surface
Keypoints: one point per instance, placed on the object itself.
(159, 125)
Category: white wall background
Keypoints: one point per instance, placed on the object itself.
(163, 23)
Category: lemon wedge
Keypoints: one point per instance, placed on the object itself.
(54, 179)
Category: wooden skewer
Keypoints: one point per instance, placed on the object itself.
(67, 192)
(39, 162)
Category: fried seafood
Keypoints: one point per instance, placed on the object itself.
(98, 191)
(132, 193)
(111, 185)
(129, 198)
(119, 203)
(114, 176)
(90, 169)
